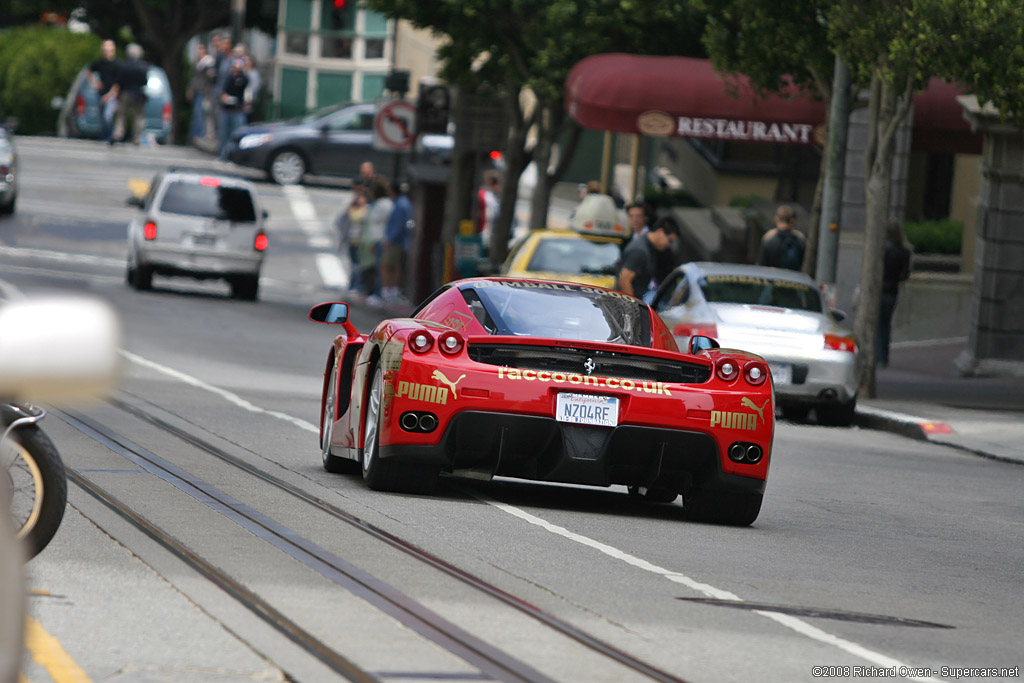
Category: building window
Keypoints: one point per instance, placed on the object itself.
(297, 24)
(337, 28)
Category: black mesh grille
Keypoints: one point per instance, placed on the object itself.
(606, 364)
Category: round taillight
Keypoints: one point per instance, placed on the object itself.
(728, 370)
(420, 341)
(755, 373)
(450, 343)
(149, 230)
(261, 242)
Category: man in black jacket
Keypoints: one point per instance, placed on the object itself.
(131, 94)
(784, 246)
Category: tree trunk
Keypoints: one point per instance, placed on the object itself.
(515, 162)
(888, 109)
(541, 199)
(814, 226)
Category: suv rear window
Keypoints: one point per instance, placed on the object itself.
(208, 201)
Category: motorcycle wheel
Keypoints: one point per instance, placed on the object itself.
(39, 487)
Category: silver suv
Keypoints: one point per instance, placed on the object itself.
(200, 224)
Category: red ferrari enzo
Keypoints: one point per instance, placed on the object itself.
(548, 381)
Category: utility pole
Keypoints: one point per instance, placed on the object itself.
(237, 20)
(832, 194)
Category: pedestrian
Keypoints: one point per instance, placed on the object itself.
(204, 75)
(103, 76)
(784, 245)
(488, 206)
(373, 235)
(350, 224)
(232, 105)
(222, 59)
(132, 76)
(895, 270)
(366, 179)
(254, 90)
(639, 264)
(397, 233)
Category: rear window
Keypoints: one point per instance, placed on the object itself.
(745, 289)
(208, 201)
(575, 256)
(559, 310)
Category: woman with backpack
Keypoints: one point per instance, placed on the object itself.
(783, 246)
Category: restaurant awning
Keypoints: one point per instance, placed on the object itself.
(685, 97)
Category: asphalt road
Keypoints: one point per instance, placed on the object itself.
(872, 550)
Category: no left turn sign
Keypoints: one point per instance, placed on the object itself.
(394, 126)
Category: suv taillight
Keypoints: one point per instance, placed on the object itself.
(149, 230)
(261, 242)
(80, 106)
(165, 115)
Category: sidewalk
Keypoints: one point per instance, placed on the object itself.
(921, 395)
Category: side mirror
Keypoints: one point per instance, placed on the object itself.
(134, 201)
(57, 348)
(701, 343)
(335, 313)
(840, 316)
(266, 214)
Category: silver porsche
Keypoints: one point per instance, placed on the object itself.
(778, 314)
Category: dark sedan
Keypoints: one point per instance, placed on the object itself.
(328, 142)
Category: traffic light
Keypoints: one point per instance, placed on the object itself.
(432, 109)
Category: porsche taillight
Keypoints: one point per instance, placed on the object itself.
(149, 230)
(727, 369)
(837, 342)
(421, 341)
(450, 343)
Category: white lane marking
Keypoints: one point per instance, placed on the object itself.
(228, 396)
(798, 625)
(62, 256)
(332, 271)
(331, 268)
(892, 415)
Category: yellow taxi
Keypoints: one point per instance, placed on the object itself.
(587, 252)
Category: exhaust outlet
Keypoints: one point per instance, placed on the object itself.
(754, 453)
(409, 422)
(427, 422)
(737, 452)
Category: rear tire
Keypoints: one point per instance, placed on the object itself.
(8, 208)
(141, 278)
(287, 167)
(387, 475)
(39, 487)
(333, 463)
(795, 413)
(246, 288)
(733, 509)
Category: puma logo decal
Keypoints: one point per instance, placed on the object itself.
(439, 376)
(750, 404)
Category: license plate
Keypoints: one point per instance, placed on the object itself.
(782, 373)
(587, 409)
(204, 240)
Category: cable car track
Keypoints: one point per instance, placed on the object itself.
(493, 663)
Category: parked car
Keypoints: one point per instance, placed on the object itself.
(565, 255)
(80, 111)
(199, 224)
(8, 172)
(329, 142)
(775, 313)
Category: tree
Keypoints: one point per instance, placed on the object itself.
(514, 47)
(776, 46)
(899, 45)
(896, 46)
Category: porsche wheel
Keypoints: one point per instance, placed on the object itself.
(734, 509)
(386, 475)
(653, 495)
(287, 167)
(795, 412)
(333, 463)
